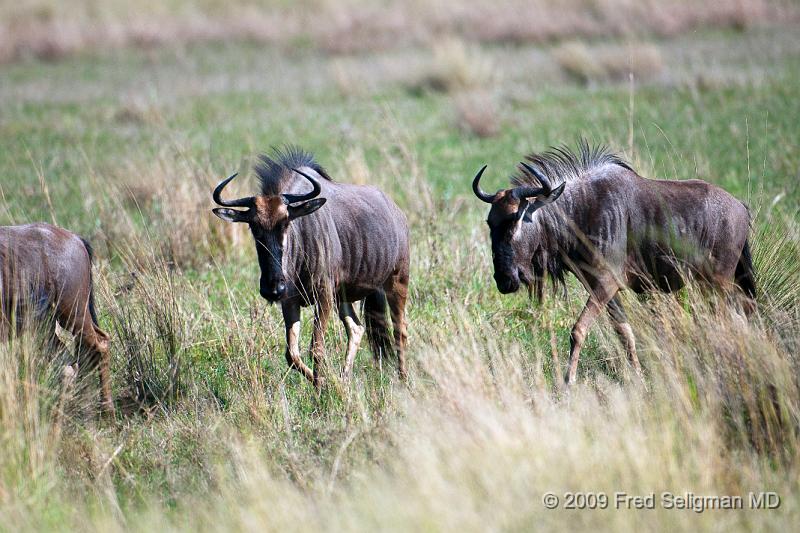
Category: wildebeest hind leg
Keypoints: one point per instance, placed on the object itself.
(291, 320)
(58, 352)
(597, 301)
(93, 344)
(321, 315)
(624, 331)
(354, 333)
(396, 296)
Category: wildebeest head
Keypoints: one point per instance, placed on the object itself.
(510, 209)
(269, 217)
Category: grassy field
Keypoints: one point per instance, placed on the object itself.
(53, 29)
(213, 433)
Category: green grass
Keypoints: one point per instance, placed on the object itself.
(124, 148)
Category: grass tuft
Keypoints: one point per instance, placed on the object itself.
(477, 114)
(585, 64)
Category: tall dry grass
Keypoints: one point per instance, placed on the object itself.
(588, 64)
(150, 335)
(160, 206)
(50, 30)
(455, 66)
(477, 113)
(473, 441)
(400, 171)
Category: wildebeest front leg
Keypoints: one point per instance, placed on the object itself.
(396, 296)
(354, 333)
(597, 301)
(624, 331)
(291, 320)
(321, 315)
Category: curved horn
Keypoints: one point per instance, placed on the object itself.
(241, 202)
(292, 198)
(539, 176)
(527, 192)
(476, 188)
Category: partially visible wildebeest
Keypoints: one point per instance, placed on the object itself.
(613, 229)
(355, 248)
(45, 274)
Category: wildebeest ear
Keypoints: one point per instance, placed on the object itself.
(306, 208)
(526, 209)
(231, 215)
(556, 192)
(550, 198)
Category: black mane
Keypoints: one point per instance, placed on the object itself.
(272, 170)
(559, 164)
(562, 164)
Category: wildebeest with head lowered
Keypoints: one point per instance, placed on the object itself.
(46, 273)
(354, 248)
(613, 229)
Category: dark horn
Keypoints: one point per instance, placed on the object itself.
(476, 188)
(528, 192)
(241, 202)
(292, 198)
(539, 176)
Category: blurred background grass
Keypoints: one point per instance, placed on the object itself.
(116, 120)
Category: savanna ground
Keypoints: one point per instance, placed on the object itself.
(122, 140)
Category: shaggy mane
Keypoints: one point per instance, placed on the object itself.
(273, 170)
(559, 164)
(562, 164)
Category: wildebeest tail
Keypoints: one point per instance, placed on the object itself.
(90, 252)
(745, 274)
(377, 324)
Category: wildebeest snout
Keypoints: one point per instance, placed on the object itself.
(272, 290)
(506, 283)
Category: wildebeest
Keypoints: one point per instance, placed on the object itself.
(613, 229)
(45, 274)
(355, 248)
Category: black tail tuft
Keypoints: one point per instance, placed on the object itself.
(377, 325)
(745, 274)
(89, 249)
(90, 252)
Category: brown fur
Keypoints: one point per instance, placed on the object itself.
(614, 229)
(505, 206)
(46, 270)
(269, 211)
(329, 249)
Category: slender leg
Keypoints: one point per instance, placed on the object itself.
(354, 333)
(93, 351)
(291, 320)
(102, 346)
(94, 354)
(321, 315)
(558, 378)
(624, 331)
(54, 346)
(597, 301)
(58, 352)
(396, 296)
